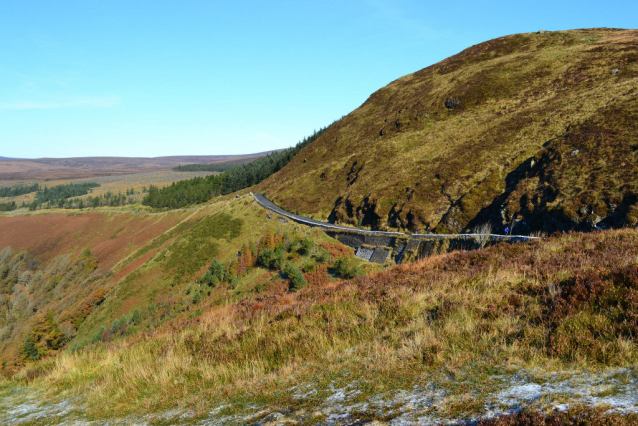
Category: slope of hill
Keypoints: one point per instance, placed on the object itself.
(83, 167)
(57, 269)
(537, 131)
(452, 337)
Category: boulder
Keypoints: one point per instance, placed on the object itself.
(453, 103)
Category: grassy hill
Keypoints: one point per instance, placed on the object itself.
(226, 314)
(75, 275)
(479, 323)
(534, 128)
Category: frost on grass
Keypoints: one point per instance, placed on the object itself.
(436, 401)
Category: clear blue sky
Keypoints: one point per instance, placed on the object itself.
(153, 78)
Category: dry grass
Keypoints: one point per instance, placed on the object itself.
(439, 168)
(494, 308)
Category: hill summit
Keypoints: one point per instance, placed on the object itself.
(534, 131)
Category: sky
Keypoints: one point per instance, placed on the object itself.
(155, 78)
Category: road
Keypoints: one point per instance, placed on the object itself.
(269, 205)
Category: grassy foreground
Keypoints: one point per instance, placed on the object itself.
(568, 303)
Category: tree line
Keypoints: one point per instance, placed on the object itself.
(199, 190)
(219, 167)
(63, 192)
(7, 207)
(14, 191)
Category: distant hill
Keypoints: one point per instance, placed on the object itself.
(82, 167)
(536, 131)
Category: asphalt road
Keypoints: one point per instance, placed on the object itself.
(269, 205)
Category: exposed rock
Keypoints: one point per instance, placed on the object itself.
(364, 253)
(574, 152)
(453, 103)
(270, 419)
(614, 71)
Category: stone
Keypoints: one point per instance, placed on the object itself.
(271, 418)
(364, 253)
(380, 255)
(541, 32)
(614, 71)
(574, 152)
(453, 103)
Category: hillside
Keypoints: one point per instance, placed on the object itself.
(88, 269)
(535, 130)
(536, 325)
(84, 167)
(202, 307)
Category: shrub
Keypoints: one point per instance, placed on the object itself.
(272, 259)
(346, 269)
(482, 234)
(30, 350)
(197, 298)
(210, 279)
(115, 326)
(217, 269)
(322, 256)
(231, 271)
(136, 317)
(97, 337)
(265, 256)
(307, 246)
(297, 280)
(77, 346)
(280, 259)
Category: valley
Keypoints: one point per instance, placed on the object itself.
(460, 249)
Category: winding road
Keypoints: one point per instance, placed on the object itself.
(269, 205)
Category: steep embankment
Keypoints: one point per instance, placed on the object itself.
(538, 130)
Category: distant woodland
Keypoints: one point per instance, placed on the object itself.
(199, 190)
